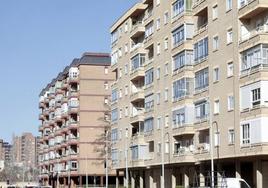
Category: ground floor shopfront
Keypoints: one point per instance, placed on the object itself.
(254, 170)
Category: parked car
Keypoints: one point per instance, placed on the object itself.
(235, 183)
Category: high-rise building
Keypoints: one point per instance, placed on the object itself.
(190, 81)
(74, 123)
(24, 150)
(7, 152)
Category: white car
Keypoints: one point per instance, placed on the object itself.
(235, 183)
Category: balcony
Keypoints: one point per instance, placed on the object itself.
(253, 38)
(73, 106)
(201, 32)
(73, 94)
(138, 139)
(183, 155)
(250, 8)
(73, 79)
(137, 96)
(137, 116)
(138, 29)
(41, 117)
(199, 6)
(183, 129)
(72, 124)
(202, 151)
(40, 128)
(137, 48)
(137, 74)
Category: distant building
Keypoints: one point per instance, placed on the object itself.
(24, 150)
(6, 151)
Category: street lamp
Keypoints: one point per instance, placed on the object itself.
(126, 156)
(106, 160)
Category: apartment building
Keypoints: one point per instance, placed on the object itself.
(24, 150)
(74, 114)
(190, 84)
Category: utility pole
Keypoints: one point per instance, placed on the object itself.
(126, 156)
(162, 157)
(106, 149)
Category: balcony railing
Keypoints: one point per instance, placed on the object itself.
(257, 31)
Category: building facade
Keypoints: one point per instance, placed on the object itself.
(190, 84)
(75, 120)
(24, 150)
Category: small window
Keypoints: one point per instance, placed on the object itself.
(230, 102)
(216, 75)
(166, 147)
(215, 12)
(158, 24)
(256, 97)
(120, 113)
(166, 17)
(106, 70)
(158, 49)
(158, 73)
(126, 90)
(126, 27)
(166, 121)
(231, 136)
(166, 95)
(158, 98)
(120, 93)
(158, 123)
(120, 72)
(215, 43)
(106, 101)
(229, 36)
(106, 85)
(246, 133)
(166, 69)
(126, 69)
(166, 44)
(229, 5)
(216, 107)
(230, 69)
(159, 150)
(157, 2)
(126, 48)
(126, 111)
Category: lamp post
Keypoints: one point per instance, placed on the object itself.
(162, 158)
(106, 159)
(126, 157)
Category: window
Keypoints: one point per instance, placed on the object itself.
(149, 102)
(106, 100)
(157, 98)
(126, 48)
(201, 79)
(120, 72)
(230, 102)
(231, 136)
(230, 69)
(229, 5)
(215, 43)
(126, 69)
(229, 36)
(178, 117)
(106, 70)
(120, 52)
(120, 113)
(158, 73)
(158, 24)
(166, 69)
(114, 95)
(157, 2)
(137, 61)
(149, 29)
(166, 121)
(114, 156)
(166, 95)
(201, 110)
(178, 36)
(135, 152)
(245, 134)
(114, 115)
(216, 107)
(148, 125)
(178, 7)
(215, 12)
(216, 74)
(166, 147)
(126, 111)
(182, 88)
(158, 123)
(201, 50)
(126, 90)
(120, 93)
(166, 17)
(126, 27)
(106, 85)
(149, 76)
(181, 59)
(256, 96)
(158, 49)
(159, 150)
(166, 44)
(114, 134)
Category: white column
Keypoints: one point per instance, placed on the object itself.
(141, 179)
(173, 179)
(202, 175)
(237, 169)
(186, 177)
(259, 178)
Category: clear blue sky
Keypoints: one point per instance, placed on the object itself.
(38, 38)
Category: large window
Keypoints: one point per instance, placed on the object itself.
(148, 125)
(246, 133)
(201, 110)
(182, 59)
(149, 29)
(135, 152)
(181, 88)
(201, 79)
(114, 115)
(200, 50)
(137, 61)
(149, 76)
(254, 57)
(178, 7)
(178, 36)
(114, 155)
(178, 117)
(149, 102)
(114, 95)
(114, 135)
